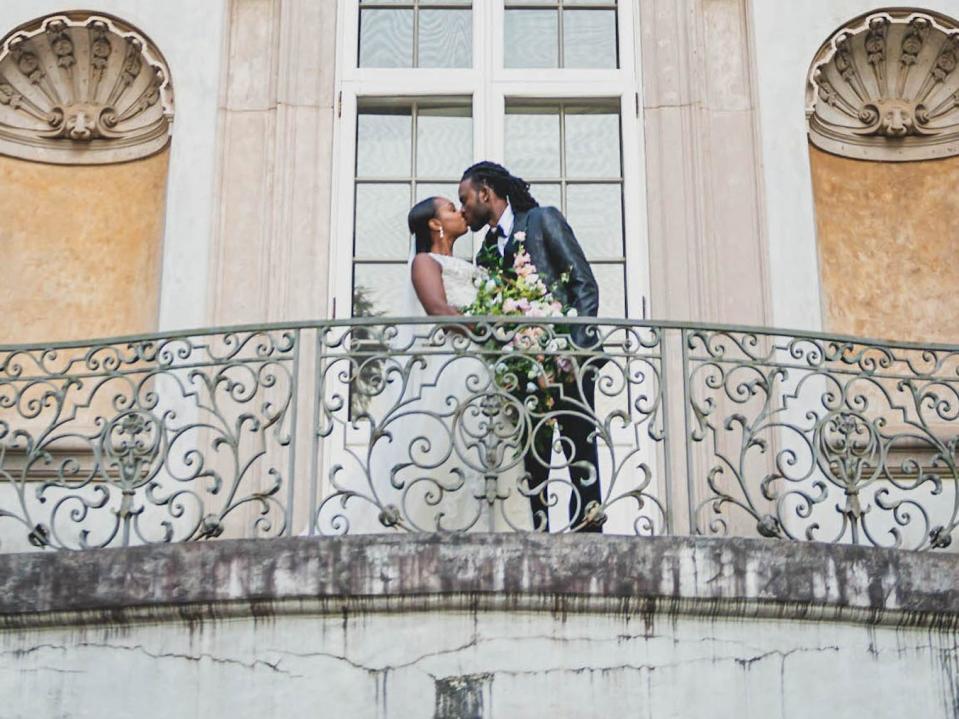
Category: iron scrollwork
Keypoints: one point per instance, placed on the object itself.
(410, 425)
(153, 440)
(459, 412)
(825, 439)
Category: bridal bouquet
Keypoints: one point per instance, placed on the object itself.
(532, 359)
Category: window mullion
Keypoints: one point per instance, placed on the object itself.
(562, 156)
(415, 110)
(416, 34)
(560, 44)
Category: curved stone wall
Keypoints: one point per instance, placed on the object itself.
(481, 626)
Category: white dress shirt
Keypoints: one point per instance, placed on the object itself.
(505, 225)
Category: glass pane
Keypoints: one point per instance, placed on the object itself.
(386, 38)
(448, 190)
(532, 142)
(381, 229)
(444, 141)
(547, 194)
(446, 38)
(465, 3)
(384, 144)
(592, 145)
(595, 212)
(589, 38)
(531, 38)
(379, 289)
(612, 289)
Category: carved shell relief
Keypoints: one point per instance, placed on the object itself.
(84, 89)
(886, 88)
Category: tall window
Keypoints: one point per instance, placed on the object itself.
(571, 154)
(405, 151)
(419, 33)
(567, 33)
(426, 87)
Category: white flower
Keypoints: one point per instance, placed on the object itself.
(490, 285)
(571, 312)
(530, 387)
(520, 236)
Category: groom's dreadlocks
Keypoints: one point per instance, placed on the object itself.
(499, 179)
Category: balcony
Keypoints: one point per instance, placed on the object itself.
(373, 426)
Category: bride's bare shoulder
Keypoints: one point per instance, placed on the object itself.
(425, 259)
(425, 264)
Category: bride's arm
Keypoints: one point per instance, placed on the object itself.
(427, 277)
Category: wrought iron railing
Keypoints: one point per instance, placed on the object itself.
(373, 425)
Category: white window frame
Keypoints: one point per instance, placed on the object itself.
(489, 85)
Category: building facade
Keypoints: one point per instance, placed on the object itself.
(729, 166)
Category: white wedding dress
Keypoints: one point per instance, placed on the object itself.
(452, 463)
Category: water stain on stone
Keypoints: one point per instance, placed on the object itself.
(462, 697)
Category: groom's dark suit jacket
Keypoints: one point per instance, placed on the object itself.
(553, 249)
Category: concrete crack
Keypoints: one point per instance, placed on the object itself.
(386, 667)
(272, 666)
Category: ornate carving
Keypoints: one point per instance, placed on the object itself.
(82, 89)
(885, 87)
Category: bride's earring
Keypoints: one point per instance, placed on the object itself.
(442, 234)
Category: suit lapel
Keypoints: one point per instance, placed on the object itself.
(509, 251)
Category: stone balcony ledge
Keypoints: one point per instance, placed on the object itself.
(558, 574)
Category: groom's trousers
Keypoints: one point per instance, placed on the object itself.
(576, 425)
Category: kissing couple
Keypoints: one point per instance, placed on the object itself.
(490, 196)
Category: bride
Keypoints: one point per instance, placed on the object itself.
(453, 463)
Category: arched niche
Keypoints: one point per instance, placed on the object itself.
(86, 112)
(883, 122)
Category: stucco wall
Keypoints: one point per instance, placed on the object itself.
(189, 34)
(887, 246)
(480, 626)
(81, 248)
(457, 664)
(787, 36)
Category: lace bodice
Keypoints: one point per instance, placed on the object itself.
(458, 276)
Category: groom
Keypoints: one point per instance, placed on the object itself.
(491, 196)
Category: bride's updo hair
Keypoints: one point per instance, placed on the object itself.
(418, 221)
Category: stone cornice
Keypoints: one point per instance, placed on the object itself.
(570, 573)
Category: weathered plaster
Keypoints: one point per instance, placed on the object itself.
(480, 626)
(887, 246)
(787, 36)
(188, 33)
(736, 577)
(81, 248)
(479, 664)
